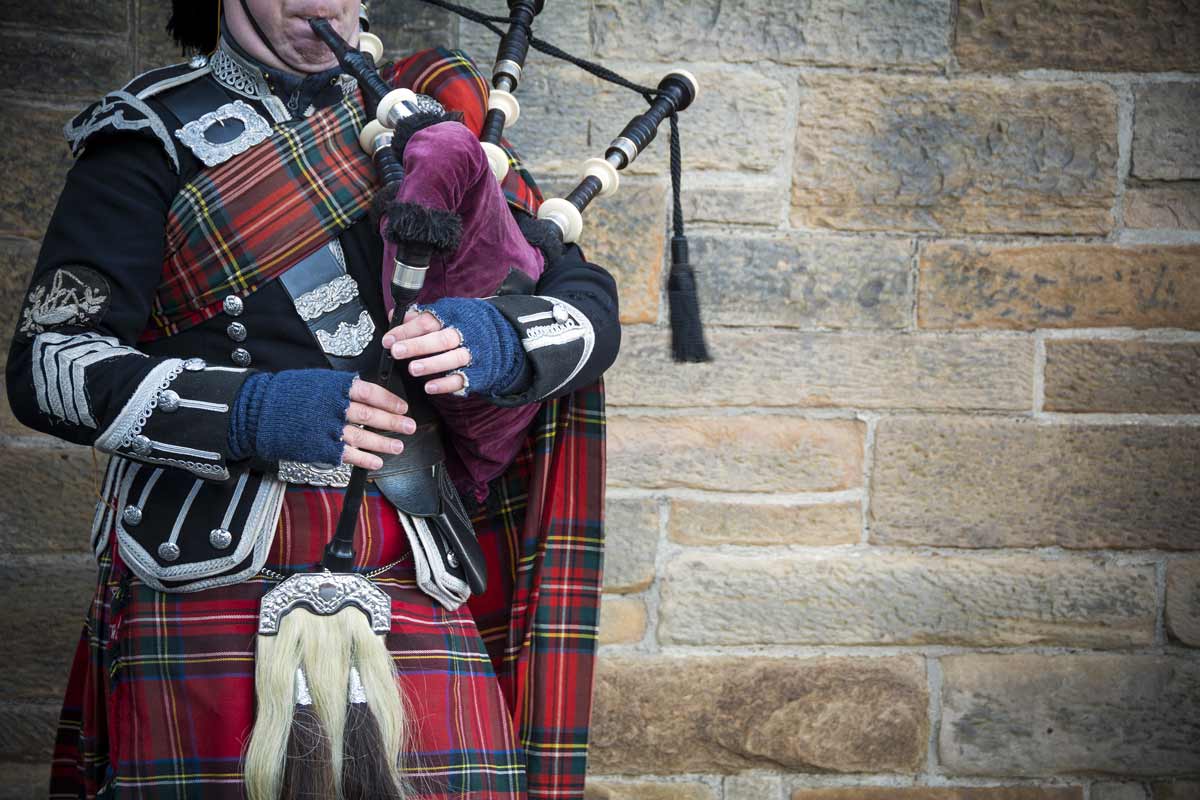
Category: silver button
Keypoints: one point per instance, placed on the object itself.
(451, 559)
(141, 445)
(220, 538)
(132, 515)
(168, 551)
(240, 356)
(196, 62)
(236, 331)
(168, 400)
(194, 364)
(233, 305)
(560, 314)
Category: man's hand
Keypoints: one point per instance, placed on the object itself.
(376, 407)
(423, 335)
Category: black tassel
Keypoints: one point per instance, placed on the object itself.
(308, 771)
(364, 763)
(542, 234)
(411, 223)
(687, 331)
(409, 125)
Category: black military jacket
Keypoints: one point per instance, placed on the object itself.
(189, 516)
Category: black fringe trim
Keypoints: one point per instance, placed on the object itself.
(408, 126)
(411, 223)
(542, 234)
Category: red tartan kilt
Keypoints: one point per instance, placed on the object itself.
(164, 695)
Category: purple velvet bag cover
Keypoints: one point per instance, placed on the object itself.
(445, 169)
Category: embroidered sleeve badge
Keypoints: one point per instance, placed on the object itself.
(73, 296)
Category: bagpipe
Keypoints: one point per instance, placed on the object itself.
(330, 720)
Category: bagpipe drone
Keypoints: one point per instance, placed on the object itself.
(330, 719)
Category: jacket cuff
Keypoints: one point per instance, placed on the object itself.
(178, 416)
(558, 341)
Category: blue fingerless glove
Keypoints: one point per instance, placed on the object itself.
(295, 415)
(497, 365)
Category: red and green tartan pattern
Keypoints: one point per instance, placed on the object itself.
(161, 695)
(238, 225)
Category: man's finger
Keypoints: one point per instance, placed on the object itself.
(368, 440)
(411, 328)
(363, 414)
(443, 362)
(372, 394)
(356, 457)
(439, 341)
(446, 385)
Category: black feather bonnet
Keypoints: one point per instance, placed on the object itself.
(194, 24)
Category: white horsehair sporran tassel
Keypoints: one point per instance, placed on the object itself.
(329, 704)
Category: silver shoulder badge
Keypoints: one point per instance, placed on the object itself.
(195, 134)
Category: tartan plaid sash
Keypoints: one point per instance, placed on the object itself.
(236, 226)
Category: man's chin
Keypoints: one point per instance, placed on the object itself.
(313, 58)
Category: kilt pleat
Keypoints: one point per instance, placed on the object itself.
(160, 699)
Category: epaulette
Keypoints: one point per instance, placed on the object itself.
(126, 109)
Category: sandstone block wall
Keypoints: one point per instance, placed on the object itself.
(929, 527)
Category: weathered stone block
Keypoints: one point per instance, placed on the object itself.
(45, 598)
(739, 454)
(1058, 286)
(716, 599)
(644, 790)
(753, 787)
(17, 257)
(1119, 791)
(630, 543)
(1041, 715)
(9, 424)
(27, 730)
(1158, 35)
(627, 235)
(705, 522)
(1176, 790)
(943, 793)
(869, 370)
(804, 281)
(155, 47)
(54, 511)
(979, 482)
(1122, 376)
(656, 716)
(742, 203)
(32, 145)
(1166, 130)
(969, 155)
(866, 33)
(408, 25)
(1163, 205)
(25, 781)
(76, 16)
(622, 619)
(568, 116)
(1183, 601)
(28, 53)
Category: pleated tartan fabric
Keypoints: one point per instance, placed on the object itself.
(161, 694)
